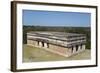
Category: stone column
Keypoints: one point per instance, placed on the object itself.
(74, 49)
(40, 44)
(83, 47)
(45, 45)
(79, 48)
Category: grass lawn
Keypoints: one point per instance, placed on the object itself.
(33, 54)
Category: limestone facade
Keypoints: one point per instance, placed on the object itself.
(65, 44)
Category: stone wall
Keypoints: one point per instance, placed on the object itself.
(57, 49)
(60, 50)
(31, 42)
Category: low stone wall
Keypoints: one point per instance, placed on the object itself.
(31, 42)
(60, 50)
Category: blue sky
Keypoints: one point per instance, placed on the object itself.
(55, 18)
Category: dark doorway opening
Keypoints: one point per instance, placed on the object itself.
(47, 45)
(72, 49)
(42, 44)
(38, 42)
(76, 47)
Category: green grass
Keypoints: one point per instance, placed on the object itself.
(33, 54)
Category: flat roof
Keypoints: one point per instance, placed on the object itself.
(56, 35)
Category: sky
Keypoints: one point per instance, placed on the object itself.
(56, 18)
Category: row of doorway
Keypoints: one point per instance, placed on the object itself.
(43, 44)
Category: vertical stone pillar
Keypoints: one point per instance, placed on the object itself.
(74, 49)
(83, 47)
(79, 48)
(70, 51)
(40, 44)
(45, 45)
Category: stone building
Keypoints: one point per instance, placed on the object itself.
(65, 44)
